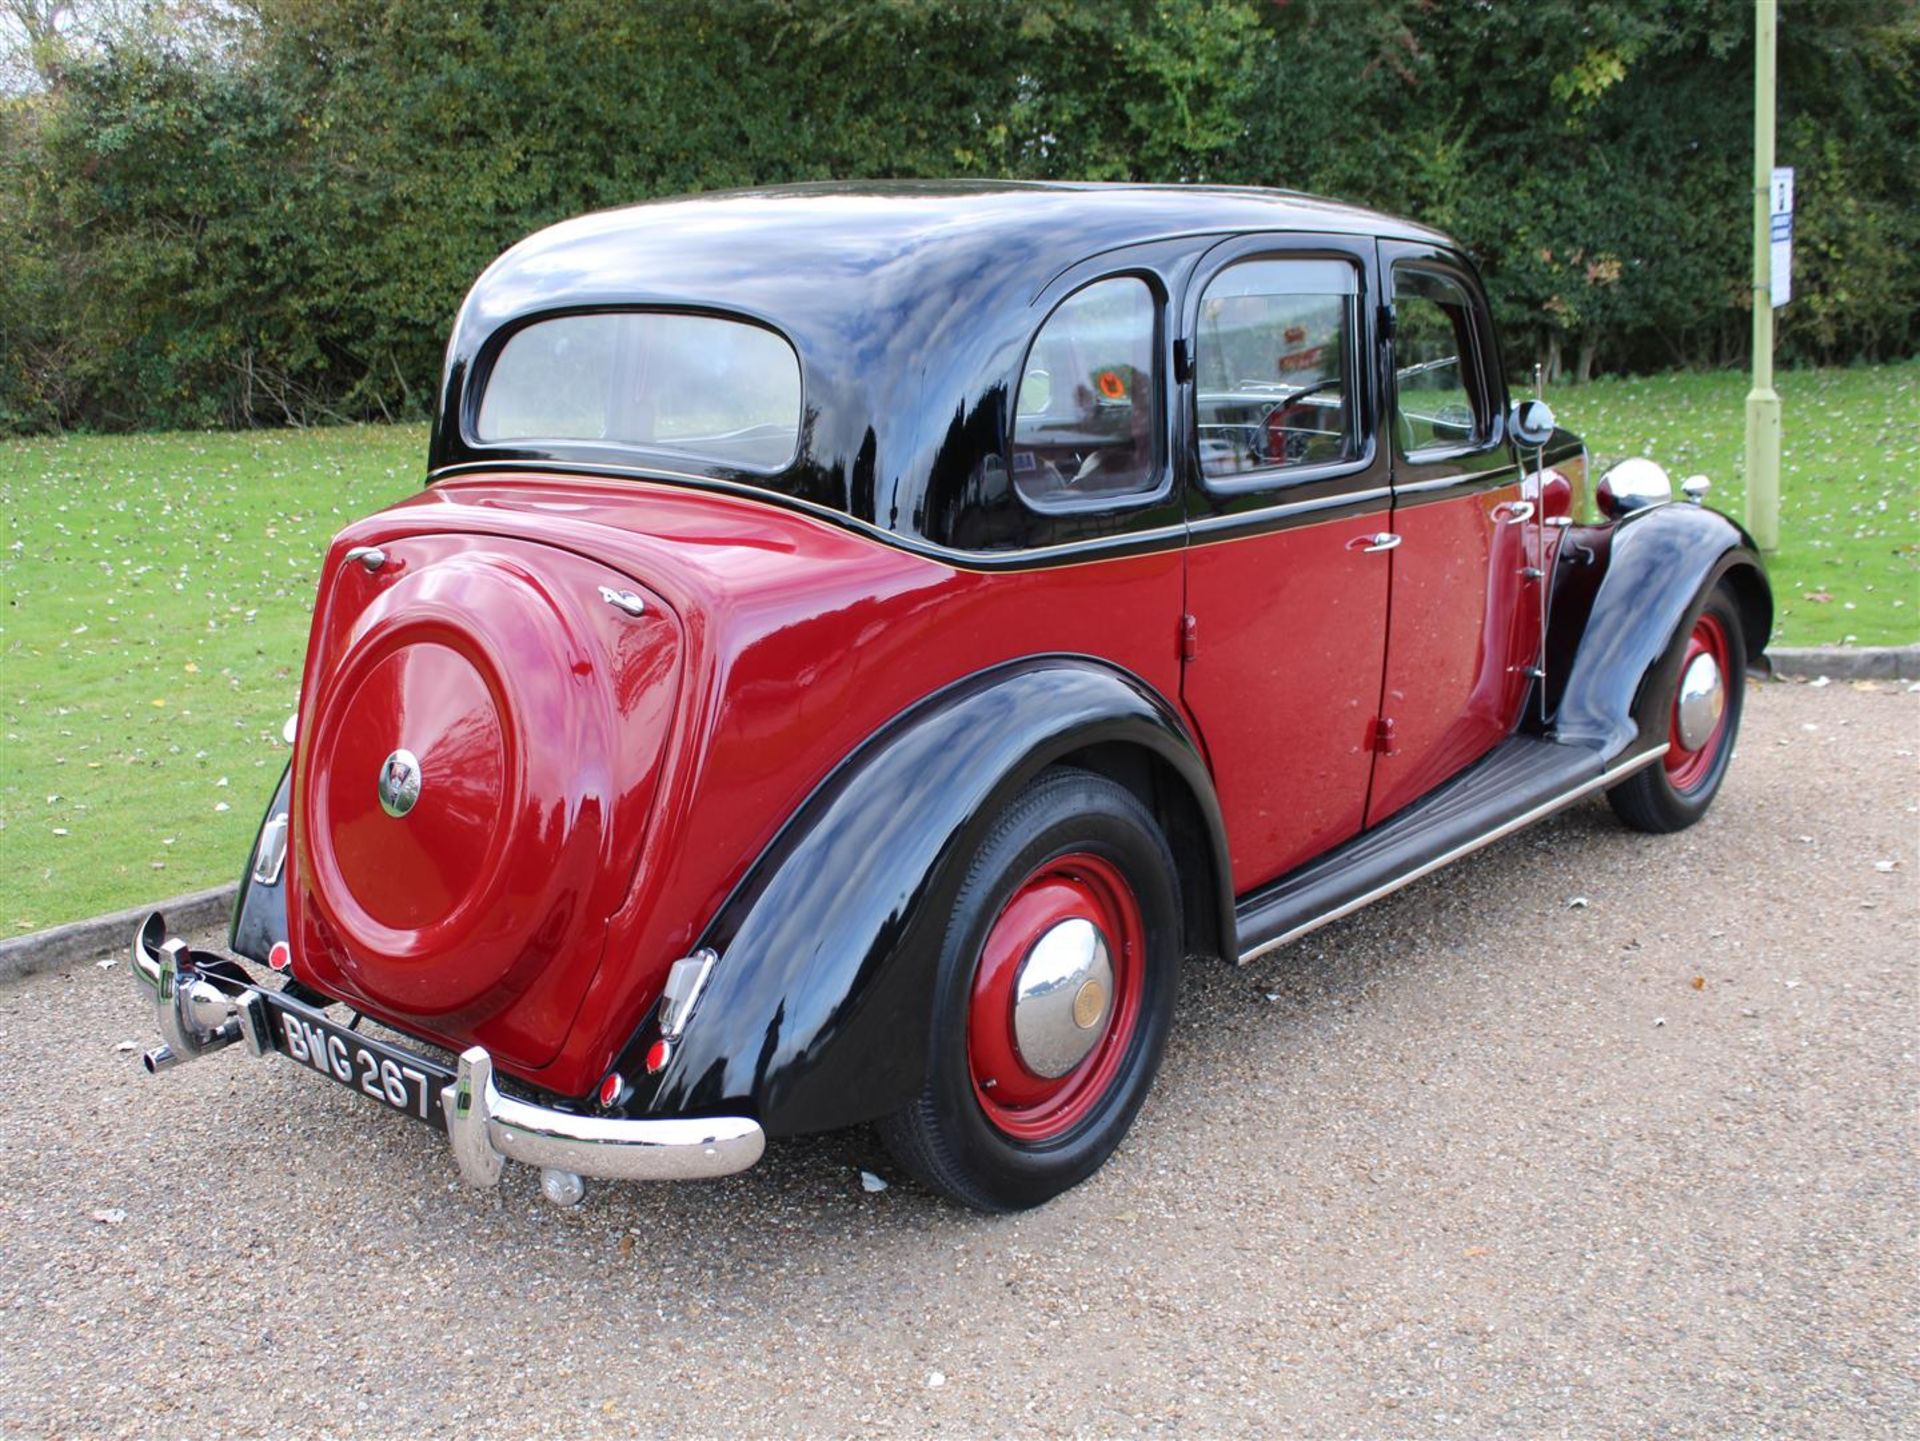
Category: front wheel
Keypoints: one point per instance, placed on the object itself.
(1055, 993)
(1699, 694)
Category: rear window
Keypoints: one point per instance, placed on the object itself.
(711, 389)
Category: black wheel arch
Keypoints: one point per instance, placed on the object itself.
(1620, 595)
(815, 1015)
(259, 909)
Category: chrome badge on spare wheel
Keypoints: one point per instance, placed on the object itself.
(399, 782)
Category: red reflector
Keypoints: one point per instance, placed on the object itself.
(611, 1088)
(281, 956)
(658, 1054)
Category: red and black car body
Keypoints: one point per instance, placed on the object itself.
(709, 750)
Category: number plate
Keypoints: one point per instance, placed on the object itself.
(407, 1083)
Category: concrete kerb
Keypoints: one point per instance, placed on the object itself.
(1853, 662)
(104, 935)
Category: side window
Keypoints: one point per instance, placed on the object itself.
(1274, 361)
(1086, 422)
(1438, 399)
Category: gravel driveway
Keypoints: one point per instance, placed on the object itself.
(1482, 1160)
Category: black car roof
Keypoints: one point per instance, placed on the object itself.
(904, 300)
(859, 229)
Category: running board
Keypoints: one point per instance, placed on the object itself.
(1515, 784)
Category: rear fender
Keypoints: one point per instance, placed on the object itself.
(1621, 593)
(260, 910)
(816, 1014)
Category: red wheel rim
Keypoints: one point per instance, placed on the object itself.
(1688, 769)
(1020, 1102)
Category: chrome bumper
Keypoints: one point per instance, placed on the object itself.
(199, 1013)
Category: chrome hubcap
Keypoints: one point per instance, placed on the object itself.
(1702, 701)
(1062, 996)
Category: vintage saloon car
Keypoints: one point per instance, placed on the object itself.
(858, 642)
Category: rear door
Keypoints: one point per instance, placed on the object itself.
(1464, 633)
(1287, 582)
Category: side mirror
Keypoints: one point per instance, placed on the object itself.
(1531, 422)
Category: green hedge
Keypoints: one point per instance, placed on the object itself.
(279, 229)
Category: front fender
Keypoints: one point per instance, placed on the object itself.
(816, 1014)
(1621, 593)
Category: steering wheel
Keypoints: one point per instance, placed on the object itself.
(1285, 442)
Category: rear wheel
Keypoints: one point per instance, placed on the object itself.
(1700, 693)
(1055, 992)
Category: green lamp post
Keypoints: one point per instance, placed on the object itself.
(1763, 402)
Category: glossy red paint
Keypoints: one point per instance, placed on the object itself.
(1464, 633)
(538, 716)
(1286, 707)
(641, 782)
(1017, 1101)
(1687, 769)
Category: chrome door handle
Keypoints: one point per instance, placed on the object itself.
(1374, 544)
(1513, 512)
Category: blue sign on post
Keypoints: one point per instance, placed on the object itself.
(1780, 212)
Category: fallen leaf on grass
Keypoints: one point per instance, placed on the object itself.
(1818, 597)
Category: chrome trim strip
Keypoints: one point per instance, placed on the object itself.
(1546, 808)
(1274, 517)
(1093, 548)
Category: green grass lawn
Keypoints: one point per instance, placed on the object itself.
(1848, 568)
(157, 591)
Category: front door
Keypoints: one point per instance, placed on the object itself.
(1465, 627)
(1287, 571)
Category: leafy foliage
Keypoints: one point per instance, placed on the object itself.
(276, 224)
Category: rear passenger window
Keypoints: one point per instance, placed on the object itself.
(1274, 361)
(1436, 382)
(1086, 424)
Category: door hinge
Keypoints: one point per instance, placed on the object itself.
(1189, 637)
(1380, 737)
(1182, 361)
(1389, 322)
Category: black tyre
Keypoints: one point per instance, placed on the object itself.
(1699, 691)
(1054, 994)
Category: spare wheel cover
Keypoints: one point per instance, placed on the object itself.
(449, 901)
